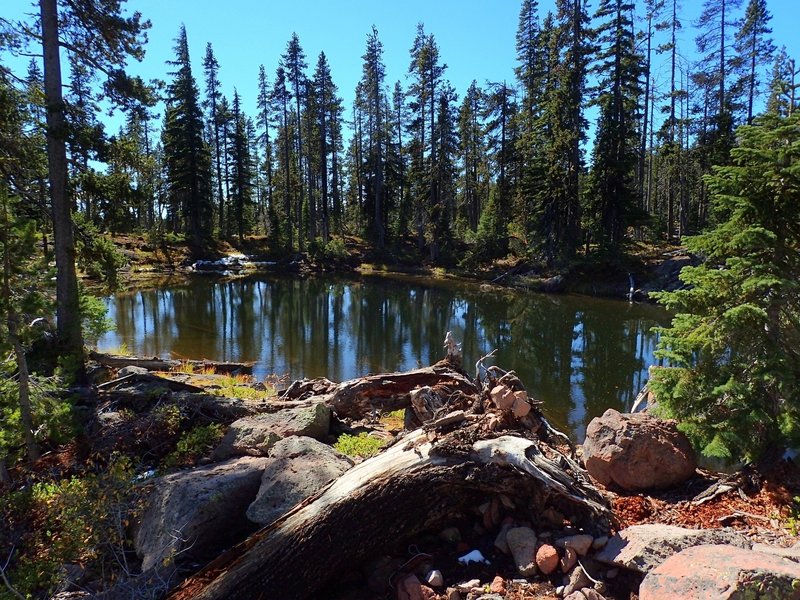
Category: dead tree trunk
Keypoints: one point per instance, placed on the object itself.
(429, 477)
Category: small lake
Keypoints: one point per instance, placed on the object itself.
(577, 354)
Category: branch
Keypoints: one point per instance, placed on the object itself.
(12, 590)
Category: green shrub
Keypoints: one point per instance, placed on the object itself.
(362, 445)
(194, 444)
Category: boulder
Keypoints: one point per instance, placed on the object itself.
(644, 547)
(722, 572)
(637, 452)
(254, 436)
(297, 468)
(192, 515)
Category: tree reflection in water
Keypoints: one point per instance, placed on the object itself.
(577, 354)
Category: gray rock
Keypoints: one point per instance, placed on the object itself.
(254, 436)
(722, 573)
(522, 543)
(132, 370)
(637, 452)
(644, 547)
(192, 515)
(297, 468)
(792, 553)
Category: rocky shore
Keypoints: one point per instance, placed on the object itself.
(474, 497)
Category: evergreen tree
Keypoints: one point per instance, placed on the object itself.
(474, 170)
(372, 101)
(612, 189)
(294, 64)
(241, 176)
(754, 48)
(211, 104)
(187, 157)
(263, 122)
(783, 85)
(280, 99)
(329, 129)
(733, 343)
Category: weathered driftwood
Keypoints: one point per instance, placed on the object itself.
(155, 363)
(360, 397)
(420, 483)
(147, 379)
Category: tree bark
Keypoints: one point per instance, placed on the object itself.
(415, 486)
(67, 300)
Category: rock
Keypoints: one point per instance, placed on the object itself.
(468, 586)
(503, 397)
(297, 468)
(580, 543)
(569, 559)
(192, 515)
(254, 436)
(547, 559)
(452, 594)
(637, 452)
(792, 553)
(132, 370)
(643, 547)
(409, 588)
(435, 578)
(586, 594)
(578, 580)
(522, 544)
(520, 407)
(722, 572)
(498, 585)
(599, 542)
(501, 541)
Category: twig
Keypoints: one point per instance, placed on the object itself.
(479, 364)
(12, 590)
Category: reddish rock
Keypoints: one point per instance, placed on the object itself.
(409, 588)
(498, 585)
(721, 572)
(547, 559)
(637, 452)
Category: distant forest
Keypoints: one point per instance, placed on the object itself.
(503, 167)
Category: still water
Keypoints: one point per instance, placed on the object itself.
(579, 355)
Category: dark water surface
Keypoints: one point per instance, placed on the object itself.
(577, 354)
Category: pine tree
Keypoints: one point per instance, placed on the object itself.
(783, 85)
(329, 117)
(733, 343)
(612, 189)
(263, 121)
(187, 157)
(294, 64)
(241, 175)
(280, 99)
(474, 170)
(211, 104)
(754, 48)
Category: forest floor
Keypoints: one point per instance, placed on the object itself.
(651, 266)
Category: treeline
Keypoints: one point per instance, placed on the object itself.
(503, 167)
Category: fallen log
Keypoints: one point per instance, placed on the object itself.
(417, 485)
(361, 397)
(116, 361)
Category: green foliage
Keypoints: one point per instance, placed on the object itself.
(97, 255)
(194, 444)
(52, 415)
(362, 445)
(94, 321)
(82, 519)
(733, 342)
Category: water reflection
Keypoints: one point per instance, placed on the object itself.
(579, 355)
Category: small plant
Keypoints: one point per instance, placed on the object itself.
(168, 418)
(394, 421)
(185, 367)
(194, 444)
(362, 445)
(239, 386)
(793, 522)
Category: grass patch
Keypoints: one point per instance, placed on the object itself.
(394, 421)
(194, 444)
(361, 445)
(240, 386)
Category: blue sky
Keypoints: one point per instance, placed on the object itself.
(476, 38)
